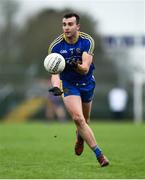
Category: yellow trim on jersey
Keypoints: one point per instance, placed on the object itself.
(92, 43)
(56, 41)
(75, 39)
(80, 34)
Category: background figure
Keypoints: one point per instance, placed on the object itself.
(117, 98)
(55, 107)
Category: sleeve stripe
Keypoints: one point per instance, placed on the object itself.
(56, 41)
(92, 44)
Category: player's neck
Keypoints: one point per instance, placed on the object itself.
(72, 39)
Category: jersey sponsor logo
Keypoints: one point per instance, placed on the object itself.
(72, 51)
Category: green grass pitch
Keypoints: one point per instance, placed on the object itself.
(46, 151)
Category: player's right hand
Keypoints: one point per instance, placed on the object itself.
(56, 91)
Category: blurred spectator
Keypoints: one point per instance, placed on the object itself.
(117, 98)
(55, 108)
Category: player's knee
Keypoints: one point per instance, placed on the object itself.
(79, 120)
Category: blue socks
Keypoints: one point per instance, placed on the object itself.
(97, 151)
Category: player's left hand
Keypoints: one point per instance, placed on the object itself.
(56, 91)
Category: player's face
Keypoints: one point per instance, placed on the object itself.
(70, 27)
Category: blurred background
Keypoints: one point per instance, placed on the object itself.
(27, 27)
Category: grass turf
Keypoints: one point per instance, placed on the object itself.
(45, 151)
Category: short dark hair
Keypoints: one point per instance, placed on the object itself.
(69, 15)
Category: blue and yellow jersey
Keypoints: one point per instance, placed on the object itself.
(84, 43)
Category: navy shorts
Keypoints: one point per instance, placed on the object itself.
(84, 90)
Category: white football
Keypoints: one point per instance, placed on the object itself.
(54, 63)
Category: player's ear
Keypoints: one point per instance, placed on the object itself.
(78, 27)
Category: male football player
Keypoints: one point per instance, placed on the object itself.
(77, 79)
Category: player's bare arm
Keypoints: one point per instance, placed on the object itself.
(86, 62)
(55, 80)
(55, 90)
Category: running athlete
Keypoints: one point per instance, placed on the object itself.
(77, 82)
